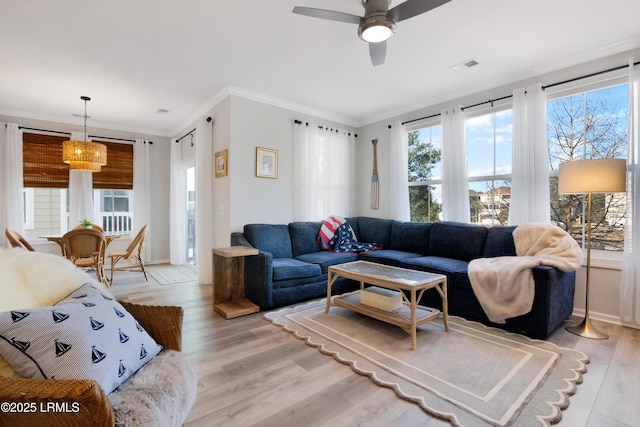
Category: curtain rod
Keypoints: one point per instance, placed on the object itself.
(69, 133)
(491, 101)
(298, 122)
(186, 134)
(116, 139)
(45, 130)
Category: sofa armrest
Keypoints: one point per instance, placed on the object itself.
(163, 323)
(78, 403)
(258, 279)
(238, 239)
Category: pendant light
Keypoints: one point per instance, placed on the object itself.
(84, 156)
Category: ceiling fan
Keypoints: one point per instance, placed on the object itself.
(378, 23)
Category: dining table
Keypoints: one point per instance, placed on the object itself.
(109, 237)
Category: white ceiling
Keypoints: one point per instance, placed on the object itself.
(135, 57)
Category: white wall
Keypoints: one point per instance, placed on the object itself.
(254, 199)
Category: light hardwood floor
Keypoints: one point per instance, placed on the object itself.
(252, 373)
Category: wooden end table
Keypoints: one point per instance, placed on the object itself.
(228, 282)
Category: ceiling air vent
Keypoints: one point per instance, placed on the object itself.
(464, 65)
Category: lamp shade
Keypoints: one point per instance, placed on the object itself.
(84, 156)
(592, 176)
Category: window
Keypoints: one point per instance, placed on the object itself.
(28, 213)
(589, 125)
(46, 182)
(115, 210)
(425, 174)
(488, 138)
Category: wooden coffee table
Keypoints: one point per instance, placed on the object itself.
(410, 315)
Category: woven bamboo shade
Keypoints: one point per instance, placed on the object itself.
(42, 167)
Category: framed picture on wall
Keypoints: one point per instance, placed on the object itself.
(266, 163)
(220, 163)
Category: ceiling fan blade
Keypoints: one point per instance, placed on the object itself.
(411, 8)
(331, 15)
(377, 52)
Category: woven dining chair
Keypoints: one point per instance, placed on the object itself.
(17, 241)
(133, 252)
(85, 247)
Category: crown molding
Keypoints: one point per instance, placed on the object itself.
(74, 123)
(231, 90)
(582, 58)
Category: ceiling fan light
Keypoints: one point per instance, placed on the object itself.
(376, 29)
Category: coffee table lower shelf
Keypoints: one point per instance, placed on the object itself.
(400, 317)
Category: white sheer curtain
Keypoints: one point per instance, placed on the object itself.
(399, 173)
(530, 168)
(630, 282)
(455, 185)
(177, 207)
(204, 203)
(323, 170)
(11, 214)
(141, 191)
(80, 191)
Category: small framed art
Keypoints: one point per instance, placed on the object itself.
(220, 163)
(266, 163)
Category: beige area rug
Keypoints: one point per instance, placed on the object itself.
(168, 274)
(472, 375)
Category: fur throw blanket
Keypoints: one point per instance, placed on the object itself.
(161, 394)
(504, 286)
(35, 279)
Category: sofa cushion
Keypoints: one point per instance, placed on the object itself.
(452, 268)
(374, 230)
(325, 259)
(500, 242)
(438, 265)
(272, 238)
(410, 237)
(389, 257)
(304, 237)
(86, 335)
(457, 240)
(353, 222)
(290, 268)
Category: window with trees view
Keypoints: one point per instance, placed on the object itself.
(584, 126)
(488, 139)
(425, 174)
(587, 125)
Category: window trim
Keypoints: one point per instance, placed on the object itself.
(29, 210)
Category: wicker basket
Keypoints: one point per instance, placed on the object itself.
(381, 298)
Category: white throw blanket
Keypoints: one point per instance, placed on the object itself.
(505, 286)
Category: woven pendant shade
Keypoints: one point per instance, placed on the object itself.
(84, 156)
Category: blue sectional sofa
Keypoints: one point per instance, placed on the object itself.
(291, 267)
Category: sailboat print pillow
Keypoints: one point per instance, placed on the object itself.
(87, 335)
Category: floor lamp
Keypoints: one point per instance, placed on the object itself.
(587, 177)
